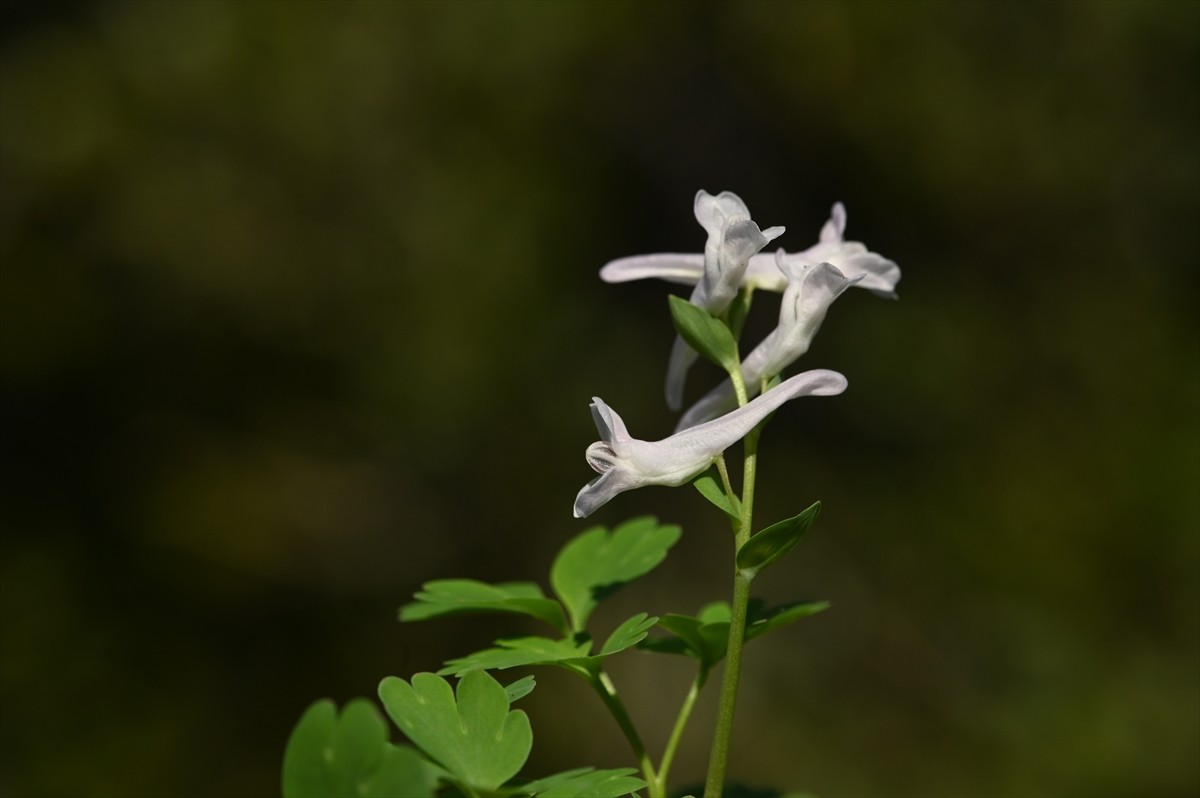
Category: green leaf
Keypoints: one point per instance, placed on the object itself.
(705, 333)
(763, 621)
(519, 689)
(332, 757)
(471, 732)
(443, 597)
(595, 564)
(704, 641)
(739, 310)
(584, 783)
(628, 634)
(709, 485)
(775, 541)
(706, 637)
(518, 651)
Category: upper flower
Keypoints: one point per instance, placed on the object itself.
(625, 463)
(733, 239)
(809, 293)
(852, 258)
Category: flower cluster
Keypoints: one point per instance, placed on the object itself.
(732, 263)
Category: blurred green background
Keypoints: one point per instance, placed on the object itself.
(300, 309)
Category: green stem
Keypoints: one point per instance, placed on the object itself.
(739, 385)
(608, 694)
(715, 783)
(685, 712)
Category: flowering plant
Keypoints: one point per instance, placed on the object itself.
(467, 739)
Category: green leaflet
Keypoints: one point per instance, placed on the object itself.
(595, 564)
(518, 651)
(470, 732)
(775, 541)
(705, 333)
(706, 637)
(571, 653)
(443, 597)
(628, 634)
(584, 783)
(519, 689)
(328, 756)
(709, 486)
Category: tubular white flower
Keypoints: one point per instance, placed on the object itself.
(852, 258)
(809, 293)
(733, 239)
(625, 463)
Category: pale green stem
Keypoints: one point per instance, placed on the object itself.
(608, 694)
(739, 385)
(729, 494)
(715, 782)
(685, 712)
(723, 470)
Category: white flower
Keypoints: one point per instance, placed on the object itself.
(880, 275)
(625, 463)
(733, 239)
(809, 293)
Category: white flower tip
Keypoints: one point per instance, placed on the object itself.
(823, 382)
(772, 233)
(611, 272)
(880, 275)
(713, 213)
(608, 423)
(835, 228)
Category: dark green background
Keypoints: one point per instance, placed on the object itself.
(300, 309)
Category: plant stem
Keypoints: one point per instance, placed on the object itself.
(739, 385)
(608, 694)
(714, 784)
(685, 712)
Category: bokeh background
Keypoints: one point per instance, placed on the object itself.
(300, 309)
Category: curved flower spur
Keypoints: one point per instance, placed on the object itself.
(809, 293)
(852, 258)
(625, 463)
(733, 239)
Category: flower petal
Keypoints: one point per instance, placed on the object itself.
(608, 423)
(600, 490)
(714, 213)
(851, 257)
(879, 275)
